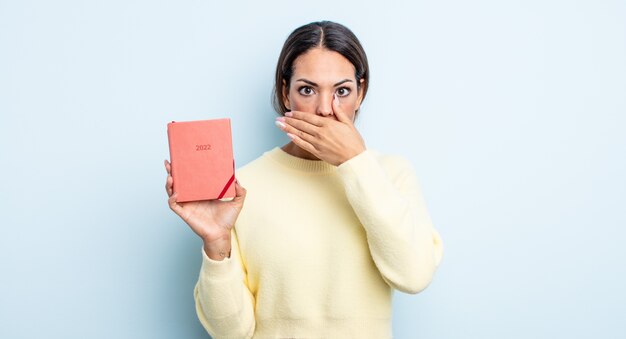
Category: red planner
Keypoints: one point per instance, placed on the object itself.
(201, 154)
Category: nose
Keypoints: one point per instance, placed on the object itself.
(325, 105)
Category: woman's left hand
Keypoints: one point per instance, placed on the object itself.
(334, 141)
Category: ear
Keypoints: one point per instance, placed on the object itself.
(285, 95)
(360, 97)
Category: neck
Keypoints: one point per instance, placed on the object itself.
(296, 151)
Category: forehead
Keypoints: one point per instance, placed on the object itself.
(319, 64)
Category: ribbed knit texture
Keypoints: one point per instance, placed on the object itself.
(318, 249)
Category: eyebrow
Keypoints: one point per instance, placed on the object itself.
(316, 85)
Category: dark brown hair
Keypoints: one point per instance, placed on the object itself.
(325, 34)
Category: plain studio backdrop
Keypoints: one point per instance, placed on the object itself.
(512, 112)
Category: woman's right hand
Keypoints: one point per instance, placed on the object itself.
(211, 220)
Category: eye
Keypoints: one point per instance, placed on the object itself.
(305, 90)
(343, 91)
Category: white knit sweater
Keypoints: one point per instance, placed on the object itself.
(318, 249)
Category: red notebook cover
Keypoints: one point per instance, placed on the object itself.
(201, 153)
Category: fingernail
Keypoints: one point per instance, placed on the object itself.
(281, 119)
(291, 135)
(288, 114)
(279, 124)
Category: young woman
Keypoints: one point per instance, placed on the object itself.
(329, 227)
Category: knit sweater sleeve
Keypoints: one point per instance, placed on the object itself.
(224, 303)
(388, 201)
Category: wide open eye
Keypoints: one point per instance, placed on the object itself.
(306, 90)
(343, 91)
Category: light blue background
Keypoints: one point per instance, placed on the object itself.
(513, 113)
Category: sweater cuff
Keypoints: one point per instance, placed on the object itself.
(217, 269)
(365, 159)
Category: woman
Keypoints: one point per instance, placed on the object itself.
(329, 228)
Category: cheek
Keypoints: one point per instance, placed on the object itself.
(350, 116)
(349, 104)
(302, 104)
